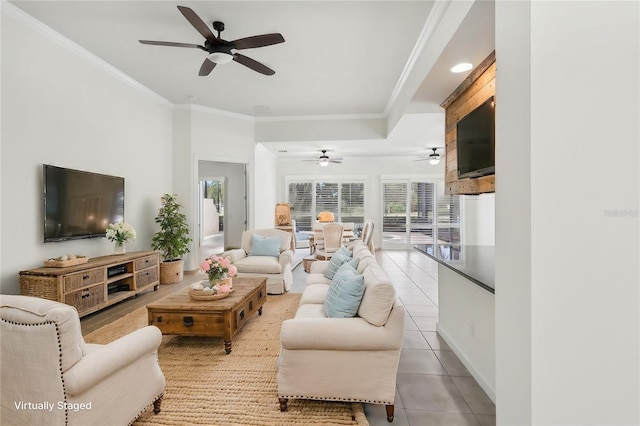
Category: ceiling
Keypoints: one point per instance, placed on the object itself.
(339, 58)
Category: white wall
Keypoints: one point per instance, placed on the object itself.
(208, 135)
(478, 219)
(324, 129)
(567, 239)
(61, 107)
(266, 188)
(466, 321)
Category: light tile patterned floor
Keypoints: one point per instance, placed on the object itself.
(433, 386)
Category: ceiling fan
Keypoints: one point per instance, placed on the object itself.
(221, 51)
(434, 157)
(324, 159)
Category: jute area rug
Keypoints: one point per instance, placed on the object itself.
(207, 387)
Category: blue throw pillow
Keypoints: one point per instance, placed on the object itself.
(344, 294)
(339, 257)
(352, 262)
(264, 246)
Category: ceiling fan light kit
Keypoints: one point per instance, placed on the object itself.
(222, 51)
(434, 157)
(220, 58)
(324, 159)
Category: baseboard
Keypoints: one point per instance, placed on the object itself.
(484, 384)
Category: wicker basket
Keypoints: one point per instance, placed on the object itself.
(53, 263)
(198, 295)
(42, 286)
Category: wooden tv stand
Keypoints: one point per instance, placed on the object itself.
(94, 285)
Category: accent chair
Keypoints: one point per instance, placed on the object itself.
(45, 360)
(265, 253)
(332, 237)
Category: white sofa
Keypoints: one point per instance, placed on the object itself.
(46, 361)
(343, 359)
(277, 269)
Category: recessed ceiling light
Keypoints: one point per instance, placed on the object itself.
(461, 67)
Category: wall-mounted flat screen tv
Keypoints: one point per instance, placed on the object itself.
(475, 141)
(79, 204)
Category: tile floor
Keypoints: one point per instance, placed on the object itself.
(433, 387)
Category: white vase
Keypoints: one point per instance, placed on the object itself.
(120, 248)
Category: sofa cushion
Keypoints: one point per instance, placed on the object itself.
(314, 293)
(310, 310)
(339, 257)
(364, 263)
(379, 296)
(317, 279)
(264, 246)
(259, 264)
(344, 293)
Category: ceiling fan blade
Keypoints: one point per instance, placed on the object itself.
(196, 22)
(169, 43)
(257, 41)
(334, 160)
(207, 67)
(421, 159)
(253, 64)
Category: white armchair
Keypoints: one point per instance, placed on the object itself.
(275, 267)
(51, 376)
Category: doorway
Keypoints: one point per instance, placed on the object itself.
(211, 192)
(222, 206)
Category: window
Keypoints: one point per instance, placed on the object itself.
(418, 212)
(327, 198)
(345, 199)
(301, 204)
(352, 202)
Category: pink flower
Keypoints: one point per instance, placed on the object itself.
(233, 271)
(204, 266)
(224, 288)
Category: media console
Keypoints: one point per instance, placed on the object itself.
(94, 285)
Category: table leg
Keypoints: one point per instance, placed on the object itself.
(227, 346)
(260, 310)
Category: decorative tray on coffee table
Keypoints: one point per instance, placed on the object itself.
(200, 295)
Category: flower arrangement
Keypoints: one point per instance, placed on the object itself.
(120, 232)
(217, 267)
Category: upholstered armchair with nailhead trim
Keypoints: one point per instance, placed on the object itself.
(50, 376)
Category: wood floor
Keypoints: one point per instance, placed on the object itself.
(98, 319)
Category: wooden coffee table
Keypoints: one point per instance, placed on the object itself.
(178, 314)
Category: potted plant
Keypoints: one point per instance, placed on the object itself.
(172, 240)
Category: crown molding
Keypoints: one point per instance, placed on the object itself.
(49, 33)
(215, 111)
(321, 117)
(433, 20)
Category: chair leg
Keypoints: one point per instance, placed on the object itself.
(283, 403)
(390, 412)
(156, 405)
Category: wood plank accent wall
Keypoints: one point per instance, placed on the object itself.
(472, 92)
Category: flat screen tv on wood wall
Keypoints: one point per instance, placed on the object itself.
(80, 204)
(475, 141)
